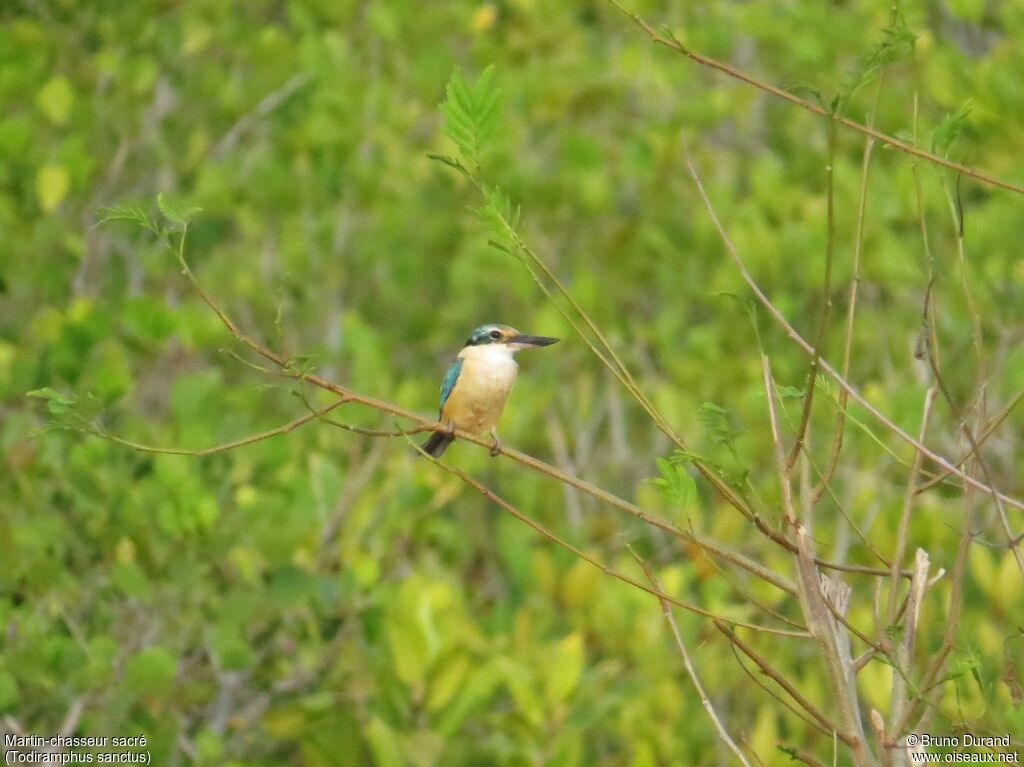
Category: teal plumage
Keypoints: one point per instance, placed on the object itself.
(449, 380)
(439, 441)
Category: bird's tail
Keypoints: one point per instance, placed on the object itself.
(437, 443)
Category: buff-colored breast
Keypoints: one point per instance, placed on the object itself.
(479, 394)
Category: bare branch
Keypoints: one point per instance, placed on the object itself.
(522, 517)
(888, 140)
(980, 439)
(666, 610)
(767, 669)
(908, 504)
(832, 372)
(264, 107)
(290, 426)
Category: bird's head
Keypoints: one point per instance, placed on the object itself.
(508, 337)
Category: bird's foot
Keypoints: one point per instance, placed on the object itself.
(451, 428)
(496, 445)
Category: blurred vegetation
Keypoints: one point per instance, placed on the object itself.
(325, 598)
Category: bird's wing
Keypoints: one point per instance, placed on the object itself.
(449, 379)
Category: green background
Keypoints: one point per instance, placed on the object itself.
(326, 598)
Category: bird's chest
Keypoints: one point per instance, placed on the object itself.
(479, 394)
(489, 375)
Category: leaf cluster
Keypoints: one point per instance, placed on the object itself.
(471, 114)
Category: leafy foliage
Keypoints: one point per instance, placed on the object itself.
(471, 114)
(325, 598)
(898, 44)
(949, 129)
(677, 485)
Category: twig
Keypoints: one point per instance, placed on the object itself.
(781, 681)
(778, 698)
(905, 648)
(264, 107)
(795, 754)
(826, 304)
(891, 141)
(851, 309)
(666, 610)
(980, 439)
(824, 484)
(818, 609)
(908, 504)
(982, 464)
(290, 426)
(522, 517)
(952, 614)
(832, 372)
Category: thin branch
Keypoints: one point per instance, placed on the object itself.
(522, 517)
(851, 308)
(826, 302)
(905, 648)
(982, 464)
(778, 698)
(790, 331)
(290, 426)
(957, 214)
(766, 668)
(796, 755)
(818, 609)
(739, 74)
(952, 618)
(264, 107)
(666, 610)
(824, 484)
(908, 504)
(980, 439)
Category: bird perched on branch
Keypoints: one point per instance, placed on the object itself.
(474, 391)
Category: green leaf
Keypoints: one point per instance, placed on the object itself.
(678, 487)
(521, 685)
(789, 392)
(471, 696)
(229, 648)
(151, 671)
(471, 114)
(52, 183)
(55, 99)
(447, 681)
(685, 456)
(501, 218)
(906, 136)
(806, 91)
(897, 44)
(384, 744)
(949, 130)
(173, 212)
(716, 424)
(56, 403)
(566, 667)
(123, 213)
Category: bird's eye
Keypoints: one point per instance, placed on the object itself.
(495, 335)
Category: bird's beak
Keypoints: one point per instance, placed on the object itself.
(522, 341)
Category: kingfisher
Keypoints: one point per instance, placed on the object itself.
(477, 384)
